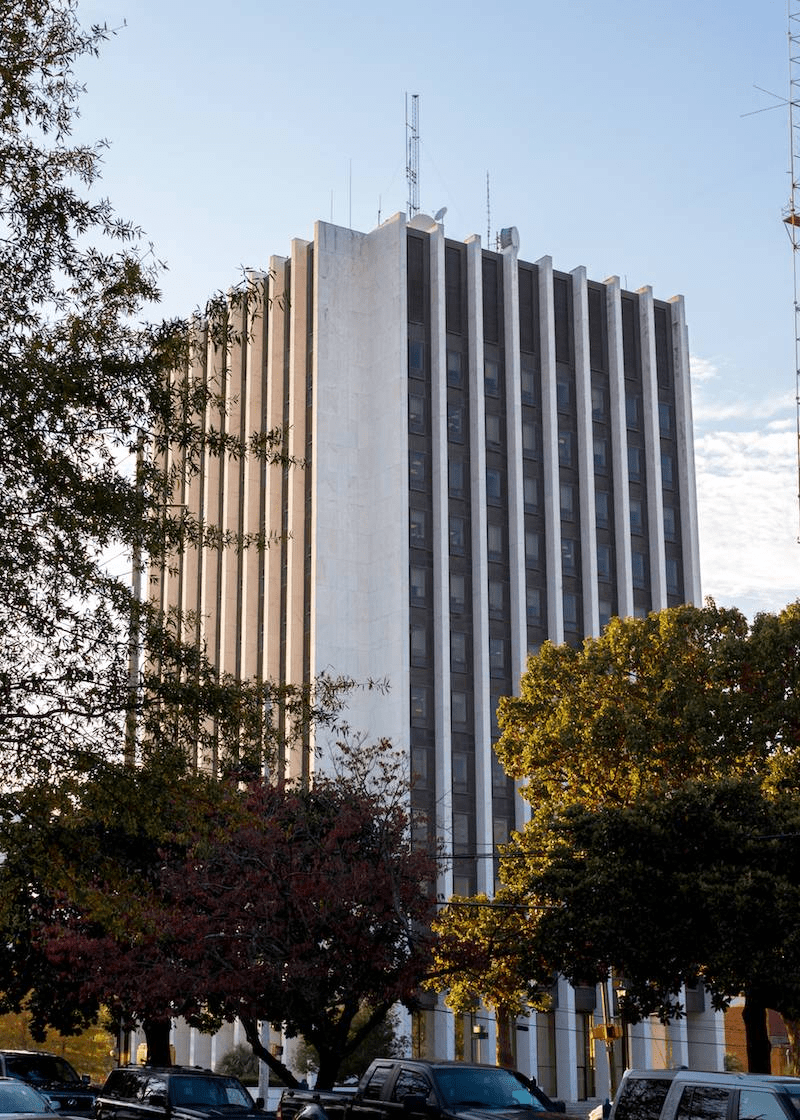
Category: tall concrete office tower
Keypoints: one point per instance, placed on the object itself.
(496, 453)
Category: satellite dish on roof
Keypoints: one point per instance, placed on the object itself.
(437, 217)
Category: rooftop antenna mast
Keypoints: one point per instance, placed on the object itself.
(412, 160)
(791, 214)
(488, 214)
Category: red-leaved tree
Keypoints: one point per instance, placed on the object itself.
(296, 906)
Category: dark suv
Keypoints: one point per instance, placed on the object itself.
(53, 1076)
(147, 1093)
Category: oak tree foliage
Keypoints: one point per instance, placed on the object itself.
(660, 761)
(652, 701)
(91, 395)
(699, 885)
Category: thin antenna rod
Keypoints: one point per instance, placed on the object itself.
(488, 215)
(791, 213)
(412, 160)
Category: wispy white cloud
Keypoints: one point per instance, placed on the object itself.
(748, 511)
(711, 407)
(702, 369)
(783, 424)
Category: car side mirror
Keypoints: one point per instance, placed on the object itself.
(86, 1078)
(260, 1103)
(157, 1100)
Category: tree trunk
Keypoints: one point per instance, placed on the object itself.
(156, 1033)
(793, 1035)
(754, 1017)
(329, 1062)
(273, 1064)
(504, 1047)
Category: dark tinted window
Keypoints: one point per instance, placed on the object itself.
(40, 1068)
(452, 272)
(642, 1098)
(124, 1084)
(410, 1082)
(203, 1091)
(416, 280)
(155, 1087)
(373, 1088)
(703, 1102)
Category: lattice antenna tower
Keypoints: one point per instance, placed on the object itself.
(791, 214)
(412, 154)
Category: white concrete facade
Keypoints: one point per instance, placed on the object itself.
(533, 474)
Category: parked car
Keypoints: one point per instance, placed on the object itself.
(180, 1092)
(52, 1076)
(400, 1089)
(19, 1101)
(687, 1094)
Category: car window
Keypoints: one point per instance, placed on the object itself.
(484, 1087)
(123, 1084)
(16, 1096)
(703, 1102)
(410, 1083)
(155, 1086)
(208, 1092)
(372, 1090)
(754, 1104)
(642, 1098)
(40, 1068)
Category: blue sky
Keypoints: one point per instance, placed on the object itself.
(627, 136)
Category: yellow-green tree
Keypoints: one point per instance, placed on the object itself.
(651, 702)
(481, 956)
(648, 713)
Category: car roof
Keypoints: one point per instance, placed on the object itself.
(442, 1063)
(31, 1053)
(133, 1067)
(713, 1077)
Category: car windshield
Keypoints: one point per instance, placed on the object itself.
(483, 1088)
(191, 1090)
(40, 1068)
(16, 1096)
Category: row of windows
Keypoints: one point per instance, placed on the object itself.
(462, 762)
(457, 476)
(457, 472)
(529, 387)
(530, 444)
(497, 597)
(459, 650)
(533, 543)
(498, 647)
(497, 593)
(460, 710)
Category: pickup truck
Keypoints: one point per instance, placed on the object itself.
(397, 1089)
